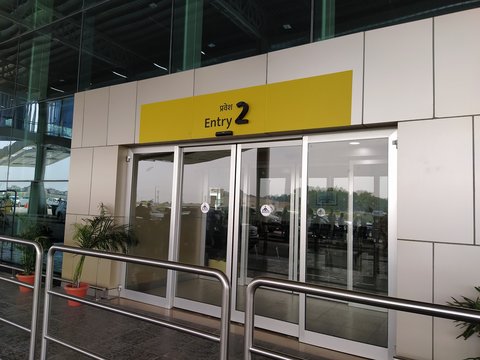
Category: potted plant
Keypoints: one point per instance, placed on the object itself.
(41, 234)
(469, 328)
(97, 233)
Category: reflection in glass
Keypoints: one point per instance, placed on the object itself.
(204, 221)
(48, 62)
(268, 228)
(125, 41)
(248, 28)
(152, 201)
(347, 232)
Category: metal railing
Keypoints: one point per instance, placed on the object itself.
(387, 302)
(36, 290)
(220, 276)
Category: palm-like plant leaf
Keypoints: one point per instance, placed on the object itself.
(101, 233)
(469, 328)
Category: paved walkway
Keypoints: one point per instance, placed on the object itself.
(118, 337)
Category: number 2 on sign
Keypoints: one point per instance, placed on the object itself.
(241, 118)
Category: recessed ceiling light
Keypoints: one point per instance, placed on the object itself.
(354, 143)
(160, 66)
(203, 52)
(287, 26)
(211, 45)
(118, 74)
(55, 89)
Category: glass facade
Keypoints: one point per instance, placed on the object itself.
(50, 49)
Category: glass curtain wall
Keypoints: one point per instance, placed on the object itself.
(53, 48)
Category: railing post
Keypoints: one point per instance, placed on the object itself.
(36, 289)
(224, 317)
(46, 305)
(223, 339)
(36, 296)
(249, 320)
(387, 302)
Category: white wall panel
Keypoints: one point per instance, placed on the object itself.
(399, 73)
(456, 273)
(476, 139)
(80, 181)
(121, 114)
(95, 117)
(457, 59)
(414, 282)
(77, 125)
(231, 75)
(163, 88)
(104, 178)
(435, 180)
(324, 57)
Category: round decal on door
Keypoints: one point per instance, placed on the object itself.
(321, 212)
(266, 210)
(204, 207)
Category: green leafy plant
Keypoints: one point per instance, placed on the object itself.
(469, 328)
(36, 232)
(101, 233)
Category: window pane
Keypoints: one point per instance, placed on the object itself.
(221, 31)
(28, 15)
(125, 40)
(47, 67)
(340, 17)
(8, 63)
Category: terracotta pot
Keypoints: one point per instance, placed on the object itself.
(80, 291)
(29, 279)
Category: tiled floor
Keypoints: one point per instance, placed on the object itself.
(118, 337)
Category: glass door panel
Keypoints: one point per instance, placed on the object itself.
(268, 225)
(347, 210)
(151, 221)
(204, 221)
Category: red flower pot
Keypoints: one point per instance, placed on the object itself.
(29, 279)
(80, 291)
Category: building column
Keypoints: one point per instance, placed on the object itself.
(324, 19)
(37, 89)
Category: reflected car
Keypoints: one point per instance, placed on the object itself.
(23, 202)
(52, 201)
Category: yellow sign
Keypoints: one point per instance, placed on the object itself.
(310, 103)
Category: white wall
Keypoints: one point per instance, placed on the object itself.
(423, 76)
(399, 73)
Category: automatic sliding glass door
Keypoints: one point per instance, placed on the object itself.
(267, 227)
(205, 224)
(317, 210)
(347, 233)
(152, 201)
